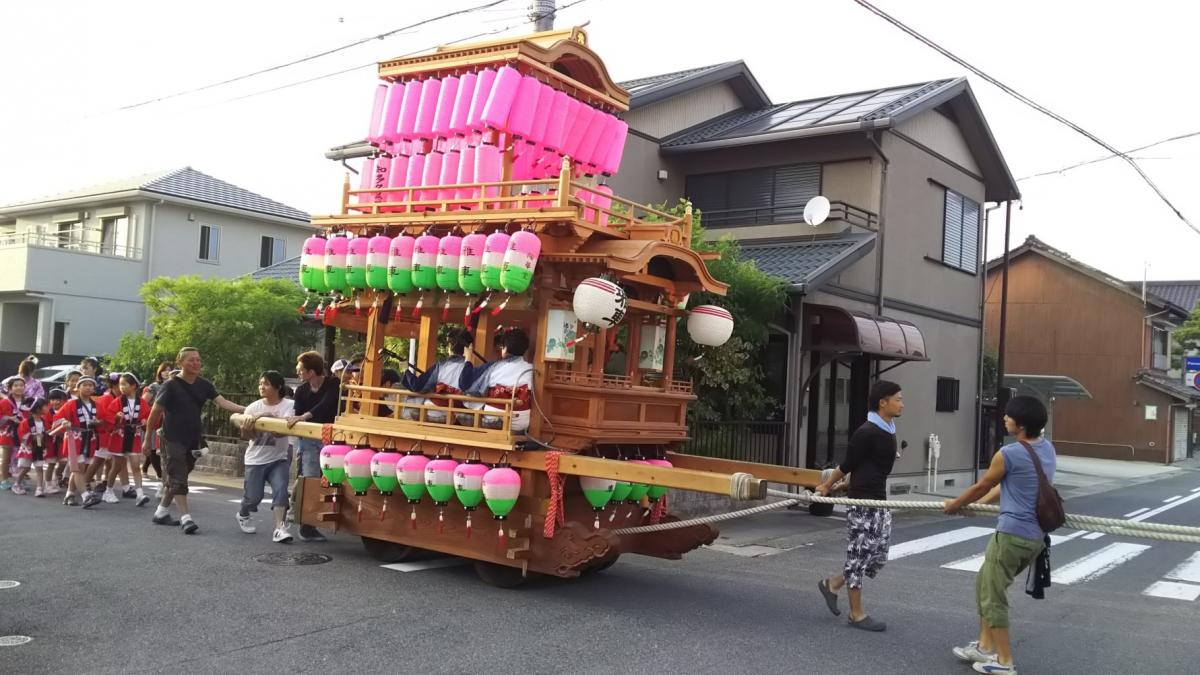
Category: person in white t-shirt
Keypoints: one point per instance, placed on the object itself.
(268, 459)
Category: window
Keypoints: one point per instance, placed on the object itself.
(755, 196)
(272, 251)
(947, 394)
(960, 233)
(60, 338)
(114, 236)
(70, 233)
(209, 242)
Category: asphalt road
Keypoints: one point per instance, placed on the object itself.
(105, 591)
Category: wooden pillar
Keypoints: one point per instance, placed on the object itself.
(545, 281)
(372, 367)
(632, 347)
(346, 195)
(427, 342)
(564, 183)
(669, 353)
(599, 347)
(483, 338)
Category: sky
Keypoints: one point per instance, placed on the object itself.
(1121, 71)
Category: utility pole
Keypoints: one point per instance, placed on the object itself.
(541, 12)
(1002, 392)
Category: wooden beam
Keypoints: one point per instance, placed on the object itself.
(769, 472)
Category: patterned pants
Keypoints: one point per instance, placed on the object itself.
(868, 534)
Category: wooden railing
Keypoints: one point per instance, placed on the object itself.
(368, 401)
(564, 376)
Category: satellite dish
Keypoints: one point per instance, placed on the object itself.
(816, 210)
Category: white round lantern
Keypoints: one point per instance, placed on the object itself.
(710, 325)
(599, 302)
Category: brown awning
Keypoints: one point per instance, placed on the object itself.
(838, 330)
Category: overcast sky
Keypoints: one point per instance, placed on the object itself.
(1125, 72)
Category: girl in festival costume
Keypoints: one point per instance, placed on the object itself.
(511, 377)
(56, 451)
(78, 419)
(33, 386)
(445, 377)
(126, 417)
(35, 447)
(10, 423)
(116, 471)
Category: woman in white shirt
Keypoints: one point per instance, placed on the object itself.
(268, 459)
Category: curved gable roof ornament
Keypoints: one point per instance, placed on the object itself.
(633, 257)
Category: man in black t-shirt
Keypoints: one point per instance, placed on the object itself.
(868, 462)
(316, 401)
(178, 408)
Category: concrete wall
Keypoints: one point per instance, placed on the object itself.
(638, 178)
(685, 110)
(940, 134)
(18, 326)
(176, 242)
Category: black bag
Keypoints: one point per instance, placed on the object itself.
(1050, 512)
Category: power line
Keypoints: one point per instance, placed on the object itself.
(313, 57)
(1108, 157)
(1031, 103)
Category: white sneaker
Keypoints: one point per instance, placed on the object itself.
(246, 524)
(282, 535)
(992, 667)
(111, 497)
(973, 654)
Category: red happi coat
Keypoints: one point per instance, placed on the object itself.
(85, 439)
(134, 413)
(8, 428)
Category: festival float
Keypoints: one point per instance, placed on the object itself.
(483, 204)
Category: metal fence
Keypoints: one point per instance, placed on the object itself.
(215, 421)
(748, 441)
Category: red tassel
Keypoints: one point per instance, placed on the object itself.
(417, 309)
(441, 521)
(446, 309)
(412, 520)
(468, 525)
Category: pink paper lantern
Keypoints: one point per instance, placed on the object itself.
(501, 99)
(541, 116)
(377, 113)
(462, 104)
(522, 168)
(398, 178)
(445, 107)
(407, 127)
(587, 146)
(488, 169)
(431, 174)
(579, 126)
(427, 109)
(556, 126)
(416, 170)
(483, 89)
(524, 108)
(611, 163)
(391, 114)
(466, 173)
(366, 175)
(450, 162)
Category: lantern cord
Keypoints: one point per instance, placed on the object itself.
(659, 510)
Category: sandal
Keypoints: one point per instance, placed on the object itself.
(868, 624)
(831, 598)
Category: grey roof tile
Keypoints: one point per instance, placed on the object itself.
(285, 269)
(644, 85)
(805, 264)
(1186, 294)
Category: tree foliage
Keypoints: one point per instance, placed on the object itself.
(1187, 338)
(729, 380)
(241, 327)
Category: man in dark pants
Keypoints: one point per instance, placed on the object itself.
(869, 461)
(316, 401)
(178, 408)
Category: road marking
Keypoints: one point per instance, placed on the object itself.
(1144, 515)
(1195, 489)
(1171, 499)
(937, 541)
(1172, 591)
(1097, 564)
(975, 563)
(426, 564)
(1134, 513)
(1094, 535)
(1188, 571)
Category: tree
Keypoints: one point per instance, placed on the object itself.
(1187, 338)
(729, 380)
(241, 327)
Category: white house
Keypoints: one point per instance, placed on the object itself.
(71, 264)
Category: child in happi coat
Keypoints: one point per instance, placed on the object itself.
(57, 470)
(10, 422)
(79, 420)
(126, 417)
(35, 449)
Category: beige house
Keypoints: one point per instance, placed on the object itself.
(890, 285)
(71, 265)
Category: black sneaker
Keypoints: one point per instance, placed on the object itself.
(164, 519)
(130, 493)
(189, 526)
(143, 500)
(91, 500)
(310, 533)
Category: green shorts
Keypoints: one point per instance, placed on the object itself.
(1006, 557)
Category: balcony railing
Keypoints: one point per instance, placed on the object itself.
(68, 241)
(786, 215)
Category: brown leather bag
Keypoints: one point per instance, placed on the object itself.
(1051, 514)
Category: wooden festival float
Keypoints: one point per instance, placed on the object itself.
(483, 204)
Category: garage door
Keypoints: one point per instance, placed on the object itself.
(1181, 434)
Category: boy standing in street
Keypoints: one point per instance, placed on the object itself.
(869, 461)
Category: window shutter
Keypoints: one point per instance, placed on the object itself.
(970, 236)
(952, 239)
(794, 186)
(707, 192)
(750, 193)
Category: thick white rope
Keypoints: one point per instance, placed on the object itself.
(1153, 531)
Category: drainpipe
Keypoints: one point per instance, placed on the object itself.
(1001, 392)
(882, 230)
(987, 215)
(150, 227)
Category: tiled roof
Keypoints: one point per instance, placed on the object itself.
(1166, 385)
(285, 269)
(806, 264)
(645, 84)
(648, 90)
(185, 183)
(862, 106)
(1186, 294)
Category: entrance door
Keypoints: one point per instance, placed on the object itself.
(837, 405)
(1180, 437)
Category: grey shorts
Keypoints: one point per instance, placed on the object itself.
(177, 461)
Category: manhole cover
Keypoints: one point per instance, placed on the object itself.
(6, 583)
(14, 640)
(290, 559)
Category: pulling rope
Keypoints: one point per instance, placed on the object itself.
(1153, 531)
(555, 513)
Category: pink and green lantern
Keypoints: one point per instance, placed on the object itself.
(598, 492)
(657, 491)
(410, 474)
(468, 486)
(333, 466)
(439, 483)
(501, 488)
(383, 474)
(358, 472)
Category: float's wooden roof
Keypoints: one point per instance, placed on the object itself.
(633, 257)
(562, 57)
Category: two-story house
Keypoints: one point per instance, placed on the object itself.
(1066, 318)
(72, 265)
(890, 286)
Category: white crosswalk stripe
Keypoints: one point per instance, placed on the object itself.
(975, 562)
(1094, 565)
(1173, 590)
(1188, 571)
(936, 541)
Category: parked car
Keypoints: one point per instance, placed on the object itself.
(53, 376)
